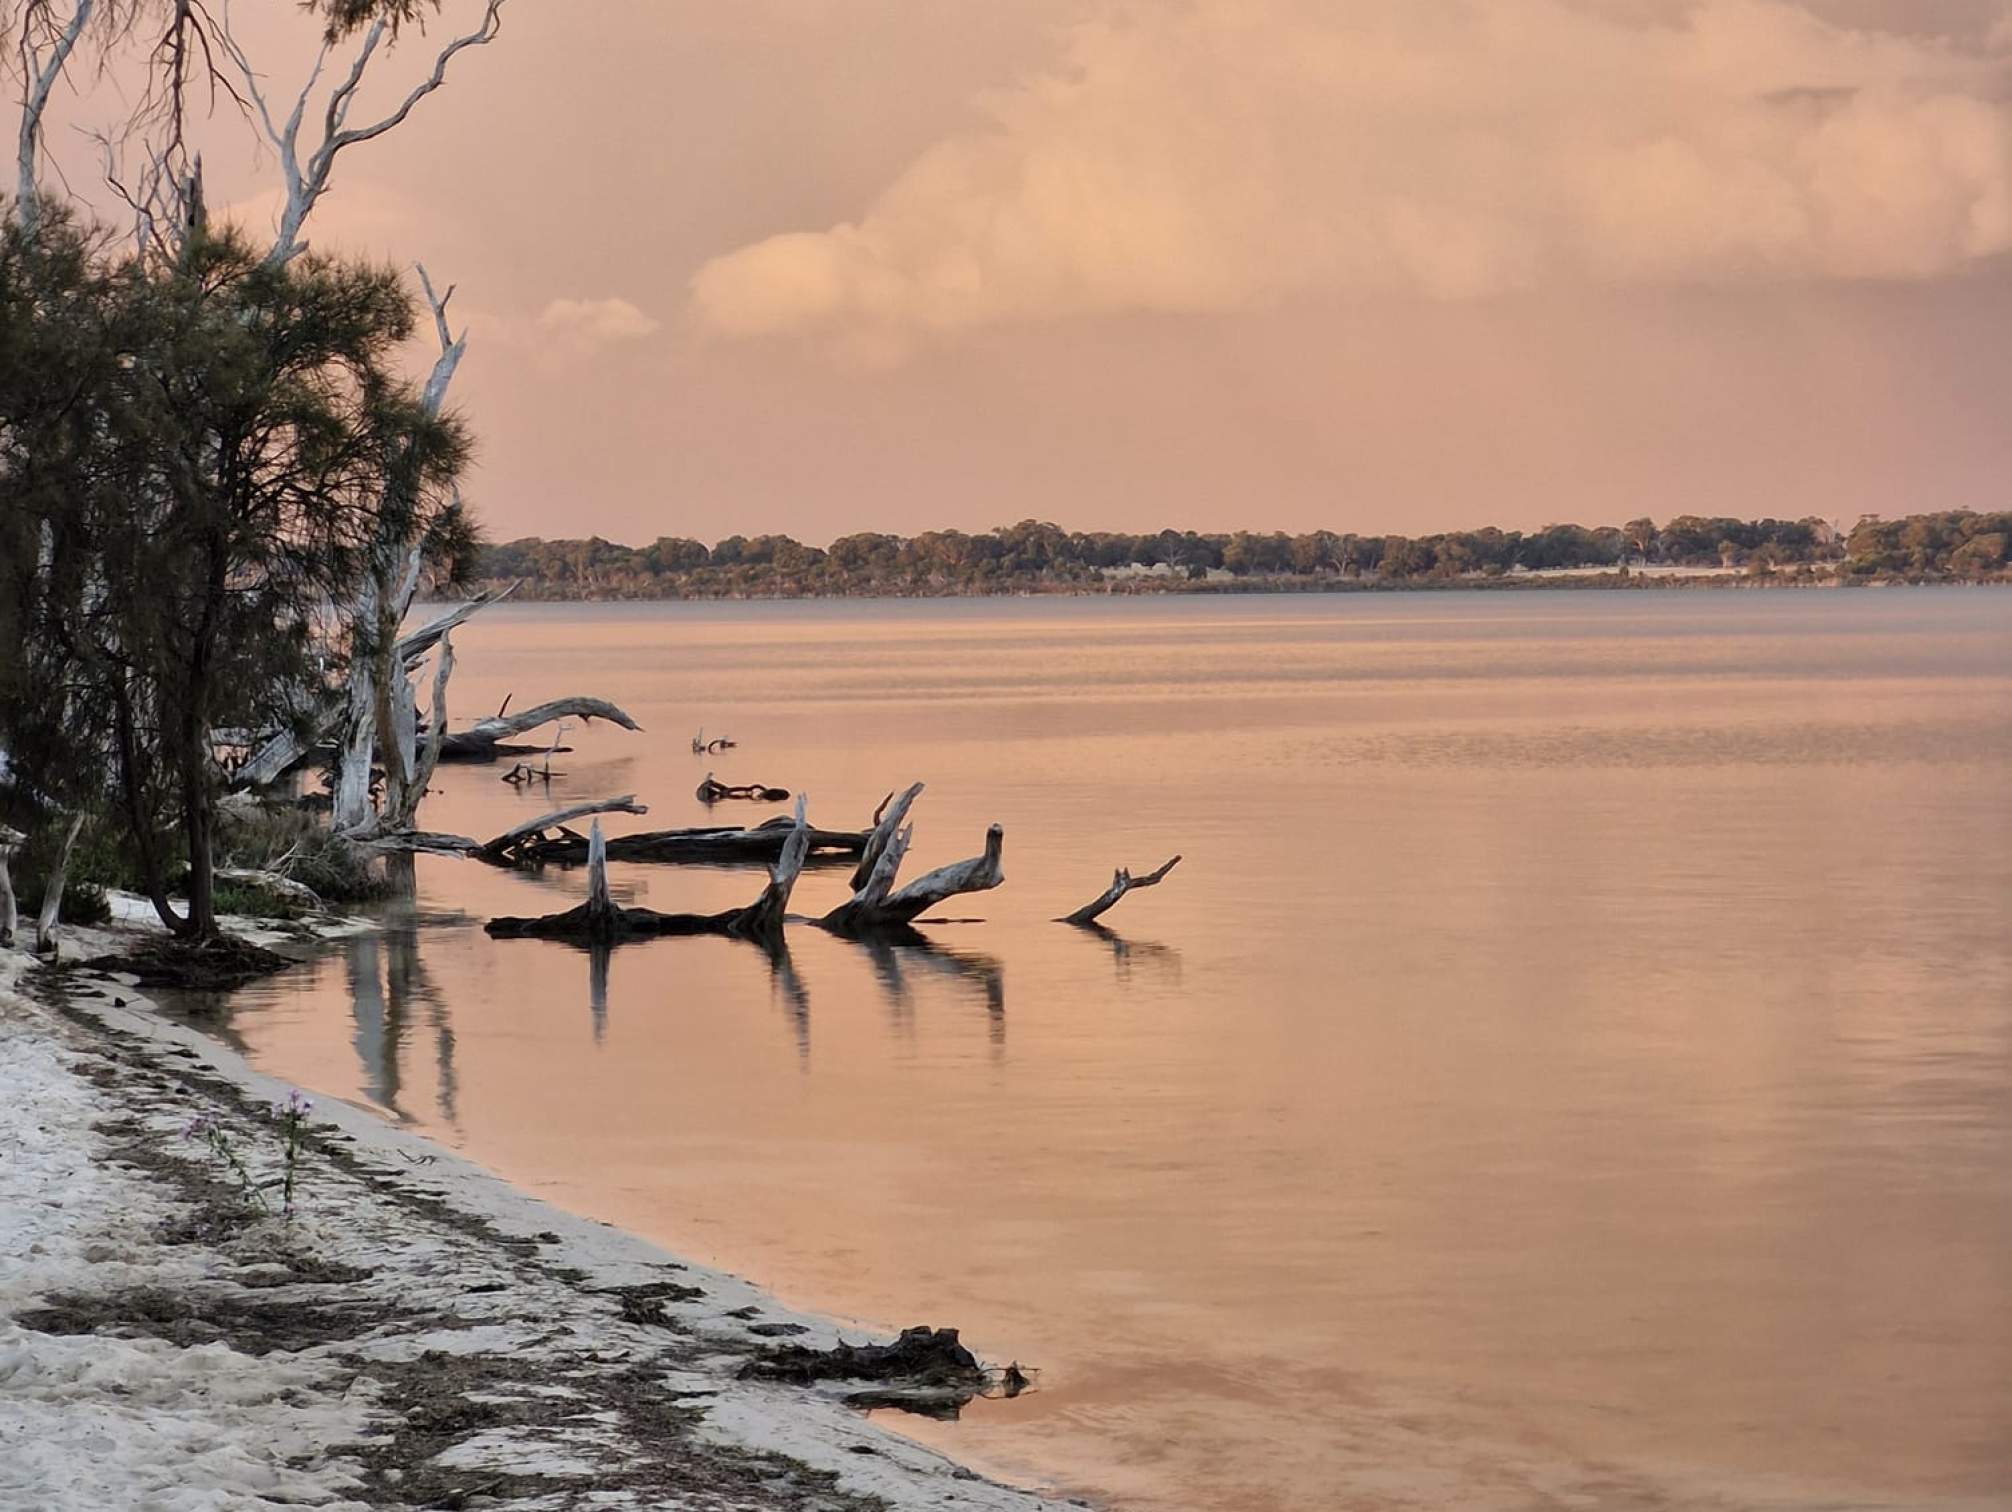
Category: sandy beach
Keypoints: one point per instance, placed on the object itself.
(418, 1334)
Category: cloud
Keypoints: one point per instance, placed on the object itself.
(1224, 155)
(596, 322)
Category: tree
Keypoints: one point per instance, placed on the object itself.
(232, 442)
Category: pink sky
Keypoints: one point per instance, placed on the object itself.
(825, 265)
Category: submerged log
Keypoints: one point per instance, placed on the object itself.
(601, 921)
(1122, 882)
(711, 791)
(487, 739)
(724, 844)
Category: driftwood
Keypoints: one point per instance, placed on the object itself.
(10, 919)
(511, 848)
(704, 747)
(878, 904)
(601, 921)
(52, 890)
(486, 739)
(711, 791)
(1122, 882)
(886, 824)
(704, 845)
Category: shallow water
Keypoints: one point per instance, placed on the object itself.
(1572, 1065)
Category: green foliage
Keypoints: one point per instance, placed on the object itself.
(196, 456)
(298, 845)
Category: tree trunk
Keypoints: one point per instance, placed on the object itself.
(52, 890)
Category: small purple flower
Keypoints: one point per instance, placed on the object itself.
(200, 1127)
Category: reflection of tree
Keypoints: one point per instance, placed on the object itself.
(787, 987)
(598, 954)
(1148, 958)
(388, 987)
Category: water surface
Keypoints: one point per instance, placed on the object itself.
(1572, 1066)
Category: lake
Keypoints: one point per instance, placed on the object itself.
(1570, 1067)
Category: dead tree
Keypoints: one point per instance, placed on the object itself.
(601, 921)
(1122, 882)
(877, 904)
(489, 738)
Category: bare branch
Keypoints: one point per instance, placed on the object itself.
(1122, 882)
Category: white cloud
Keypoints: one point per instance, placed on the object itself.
(1228, 154)
(596, 322)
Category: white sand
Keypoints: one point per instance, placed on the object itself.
(572, 1406)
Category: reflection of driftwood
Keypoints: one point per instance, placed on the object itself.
(1122, 882)
(486, 739)
(877, 904)
(600, 919)
(725, 844)
(711, 791)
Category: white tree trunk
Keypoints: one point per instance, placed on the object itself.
(41, 74)
(52, 890)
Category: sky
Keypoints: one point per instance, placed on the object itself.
(817, 266)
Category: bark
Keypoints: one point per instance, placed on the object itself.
(1122, 882)
(52, 890)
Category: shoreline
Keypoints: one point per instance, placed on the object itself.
(421, 1334)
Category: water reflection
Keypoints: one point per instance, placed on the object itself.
(388, 988)
(981, 976)
(1149, 958)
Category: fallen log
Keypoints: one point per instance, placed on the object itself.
(711, 792)
(704, 845)
(511, 848)
(1122, 882)
(601, 921)
(487, 739)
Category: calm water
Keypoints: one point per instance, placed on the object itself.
(1571, 1068)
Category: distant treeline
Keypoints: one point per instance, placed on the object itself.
(1035, 556)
